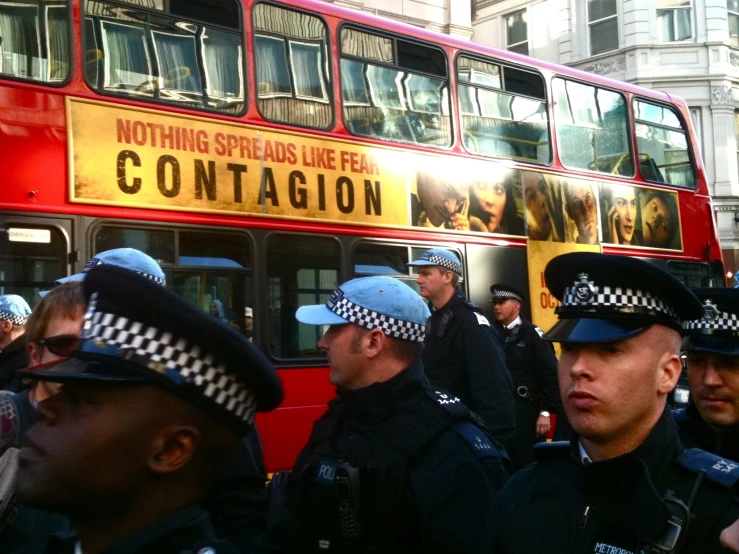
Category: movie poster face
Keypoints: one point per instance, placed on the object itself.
(484, 201)
(545, 207)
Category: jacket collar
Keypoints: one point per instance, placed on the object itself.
(380, 399)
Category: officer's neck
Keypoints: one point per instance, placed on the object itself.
(96, 533)
(443, 298)
(599, 450)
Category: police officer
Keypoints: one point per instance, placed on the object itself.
(624, 484)
(462, 353)
(533, 367)
(154, 400)
(394, 465)
(711, 420)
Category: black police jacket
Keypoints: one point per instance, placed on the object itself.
(696, 433)
(12, 358)
(532, 364)
(425, 475)
(614, 506)
(186, 531)
(463, 355)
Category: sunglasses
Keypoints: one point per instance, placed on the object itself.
(61, 345)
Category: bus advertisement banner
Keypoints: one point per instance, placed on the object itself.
(132, 157)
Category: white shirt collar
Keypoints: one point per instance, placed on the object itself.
(584, 458)
(513, 323)
(77, 548)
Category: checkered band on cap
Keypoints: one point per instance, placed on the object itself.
(14, 319)
(174, 358)
(94, 262)
(370, 319)
(714, 320)
(506, 295)
(615, 299)
(443, 262)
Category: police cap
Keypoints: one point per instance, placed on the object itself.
(439, 257)
(502, 292)
(136, 331)
(608, 298)
(381, 303)
(718, 329)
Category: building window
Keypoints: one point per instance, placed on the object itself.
(733, 7)
(517, 35)
(675, 20)
(603, 25)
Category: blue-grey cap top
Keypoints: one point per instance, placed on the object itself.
(373, 303)
(439, 257)
(127, 258)
(14, 309)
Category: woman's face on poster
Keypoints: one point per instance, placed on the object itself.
(537, 216)
(492, 199)
(624, 201)
(657, 222)
(582, 209)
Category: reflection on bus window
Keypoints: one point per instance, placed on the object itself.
(132, 52)
(497, 119)
(301, 270)
(404, 99)
(35, 40)
(592, 128)
(26, 268)
(159, 244)
(212, 270)
(383, 259)
(663, 145)
(291, 57)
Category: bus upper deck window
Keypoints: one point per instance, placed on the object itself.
(35, 40)
(291, 56)
(191, 56)
(394, 89)
(503, 111)
(592, 128)
(664, 153)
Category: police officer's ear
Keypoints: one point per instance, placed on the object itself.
(171, 447)
(670, 365)
(375, 342)
(6, 326)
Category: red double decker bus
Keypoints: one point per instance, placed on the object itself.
(263, 152)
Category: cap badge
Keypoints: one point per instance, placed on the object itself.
(337, 295)
(710, 311)
(583, 289)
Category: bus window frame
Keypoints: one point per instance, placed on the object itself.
(166, 14)
(295, 363)
(72, 58)
(93, 227)
(330, 88)
(395, 37)
(691, 145)
(630, 139)
(548, 100)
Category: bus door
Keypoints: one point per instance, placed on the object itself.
(34, 252)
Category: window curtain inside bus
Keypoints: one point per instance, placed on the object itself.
(20, 48)
(223, 62)
(58, 27)
(126, 58)
(178, 63)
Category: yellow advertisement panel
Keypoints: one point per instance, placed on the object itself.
(140, 158)
(538, 254)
